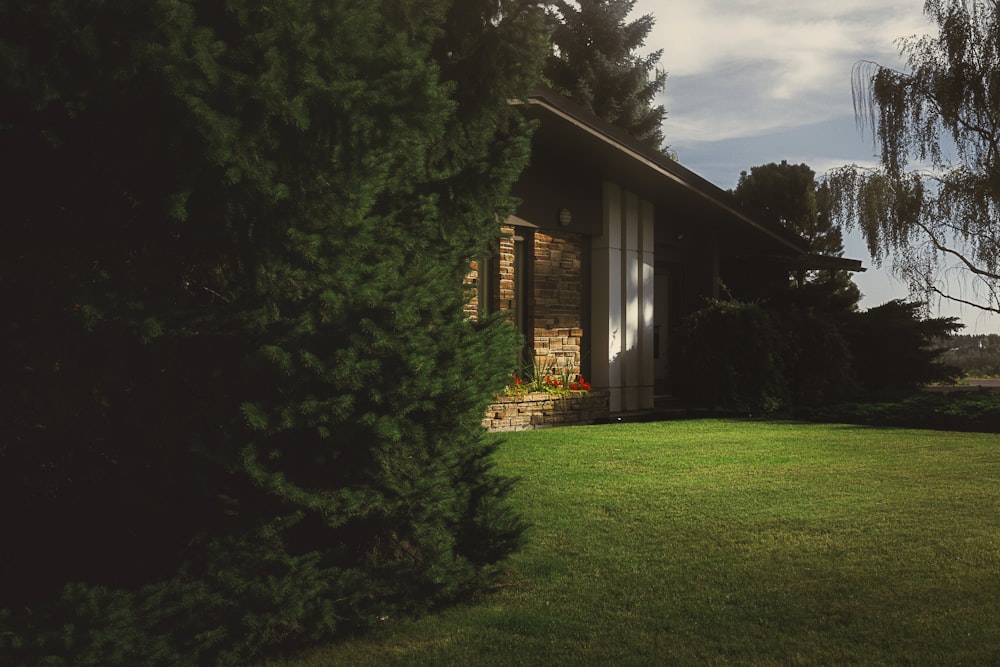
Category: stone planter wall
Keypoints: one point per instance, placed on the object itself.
(541, 410)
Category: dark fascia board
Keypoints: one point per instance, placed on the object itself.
(560, 106)
(831, 263)
(810, 262)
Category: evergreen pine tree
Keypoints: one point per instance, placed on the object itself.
(242, 398)
(816, 357)
(595, 63)
(787, 196)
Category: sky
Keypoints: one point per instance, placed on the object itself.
(751, 82)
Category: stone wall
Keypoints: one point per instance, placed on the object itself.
(542, 410)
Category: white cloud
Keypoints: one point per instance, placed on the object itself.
(755, 66)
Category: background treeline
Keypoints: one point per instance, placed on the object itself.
(977, 356)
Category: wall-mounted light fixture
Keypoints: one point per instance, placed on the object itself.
(565, 217)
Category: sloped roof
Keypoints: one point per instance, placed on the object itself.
(609, 150)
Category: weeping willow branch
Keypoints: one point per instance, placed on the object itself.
(973, 304)
(941, 112)
(948, 250)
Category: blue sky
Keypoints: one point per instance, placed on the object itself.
(758, 81)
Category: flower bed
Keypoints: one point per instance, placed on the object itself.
(524, 412)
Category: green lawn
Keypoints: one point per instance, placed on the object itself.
(728, 542)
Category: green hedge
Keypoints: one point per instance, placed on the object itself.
(960, 410)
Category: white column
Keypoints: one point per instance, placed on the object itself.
(630, 301)
(646, 301)
(622, 301)
(606, 295)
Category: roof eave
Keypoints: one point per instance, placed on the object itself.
(560, 106)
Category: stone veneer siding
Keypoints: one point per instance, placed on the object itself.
(471, 284)
(504, 291)
(502, 283)
(541, 410)
(557, 301)
(554, 306)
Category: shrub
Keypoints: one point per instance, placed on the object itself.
(242, 400)
(733, 357)
(807, 348)
(896, 350)
(818, 360)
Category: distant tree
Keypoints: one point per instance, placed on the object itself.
(787, 196)
(595, 62)
(240, 400)
(934, 200)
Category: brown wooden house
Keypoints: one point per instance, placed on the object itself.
(612, 245)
